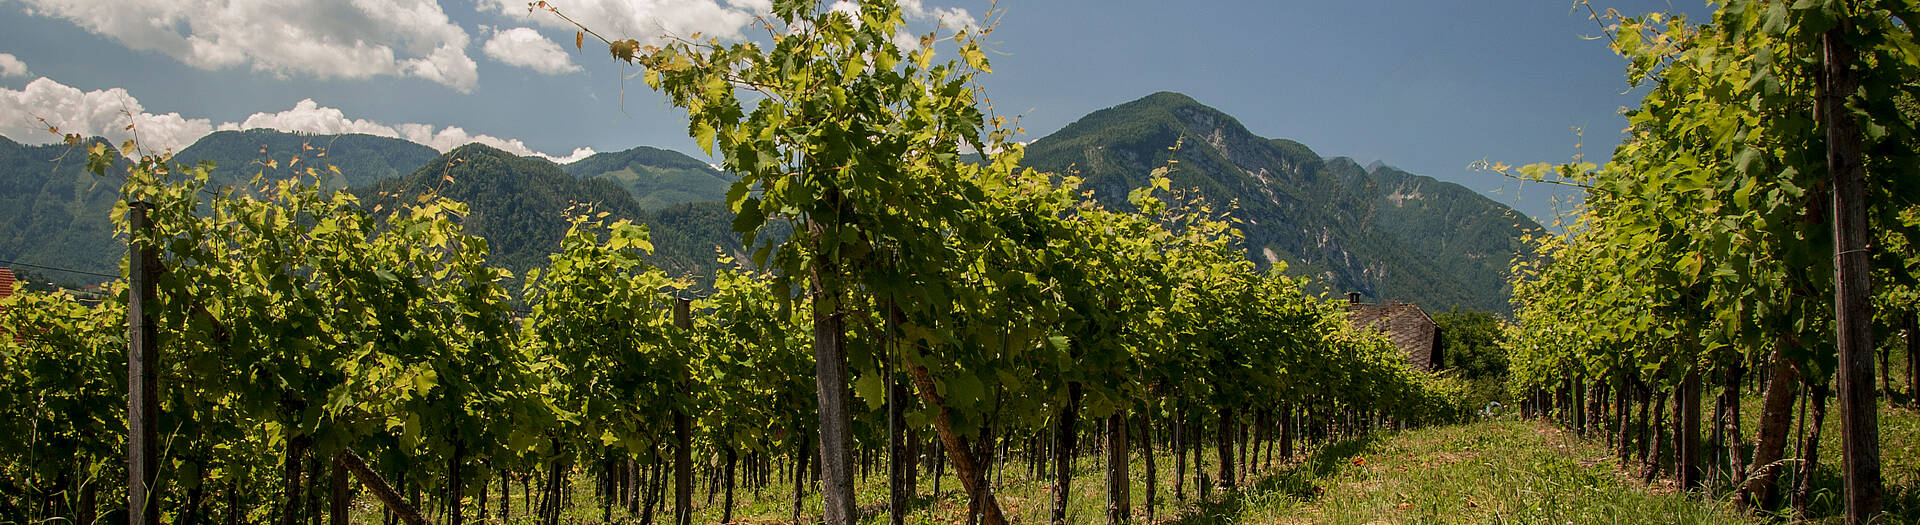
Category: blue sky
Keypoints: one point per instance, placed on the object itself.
(1424, 86)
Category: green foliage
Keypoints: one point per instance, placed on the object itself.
(1471, 343)
(62, 398)
(1705, 241)
(523, 204)
(521, 207)
(302, 323)
(604, 318)
(358, 159)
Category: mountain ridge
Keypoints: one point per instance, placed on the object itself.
(1375, 229)
(1385, 233)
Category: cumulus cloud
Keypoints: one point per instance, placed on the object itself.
(525, 47)
(578, 153)
(100, 113)
(644, 20)
(11, 66)
(107, 113)
(323, 38)
(308, 116)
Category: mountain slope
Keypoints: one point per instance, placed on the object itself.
(362, 159)
(656, 178)
(520, 205)
(1382, 232)
(53, 212)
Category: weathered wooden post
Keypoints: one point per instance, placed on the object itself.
(143, 349)
(682, 433)
(1853, 311)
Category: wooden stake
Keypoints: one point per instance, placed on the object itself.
(143, 349)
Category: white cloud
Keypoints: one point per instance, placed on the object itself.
(99, 113)
(525, 47)
(578, 153)
(107, 113)
(644, 20)
(11, 66)
(447, 138)
(323, 38)
(953, 17)
(308, 116)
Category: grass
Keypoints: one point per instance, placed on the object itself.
(1495, 471)
(1899, 460)
(1502, 471)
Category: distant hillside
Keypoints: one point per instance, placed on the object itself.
(53, 212)
(520, 205)
(1382, 232)
(362, 159)
(656, 178)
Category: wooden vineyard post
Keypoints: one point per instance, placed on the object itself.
(898, 462)
(1853, 313)
(1912, 339)
(1119, 502)
(1687, 469)
(682, 434)
(142, 361)
(1065, 437)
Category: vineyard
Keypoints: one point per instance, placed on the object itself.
(304, 348)
(279, 353)
(1752, 233)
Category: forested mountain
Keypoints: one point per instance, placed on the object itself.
(656, 178)
(1377, 230)
(54, 213)
(520, 205)
(362, 159)
(1382, 232)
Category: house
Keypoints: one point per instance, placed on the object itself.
(7, 281)
(1406, 325)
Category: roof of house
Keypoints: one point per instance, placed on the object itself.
(1406, 325)
(6, 282)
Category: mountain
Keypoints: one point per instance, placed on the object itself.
(54, 213)
(656, 178)
(1379, 231)
(362, 159)
(520, 205)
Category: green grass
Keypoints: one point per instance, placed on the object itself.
(1498, 471)
(1503, 471)
(1899, 459)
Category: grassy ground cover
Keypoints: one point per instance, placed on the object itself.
(1502, 470)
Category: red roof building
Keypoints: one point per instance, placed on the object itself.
(6, 290)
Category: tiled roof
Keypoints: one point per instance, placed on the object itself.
(1406, 325)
